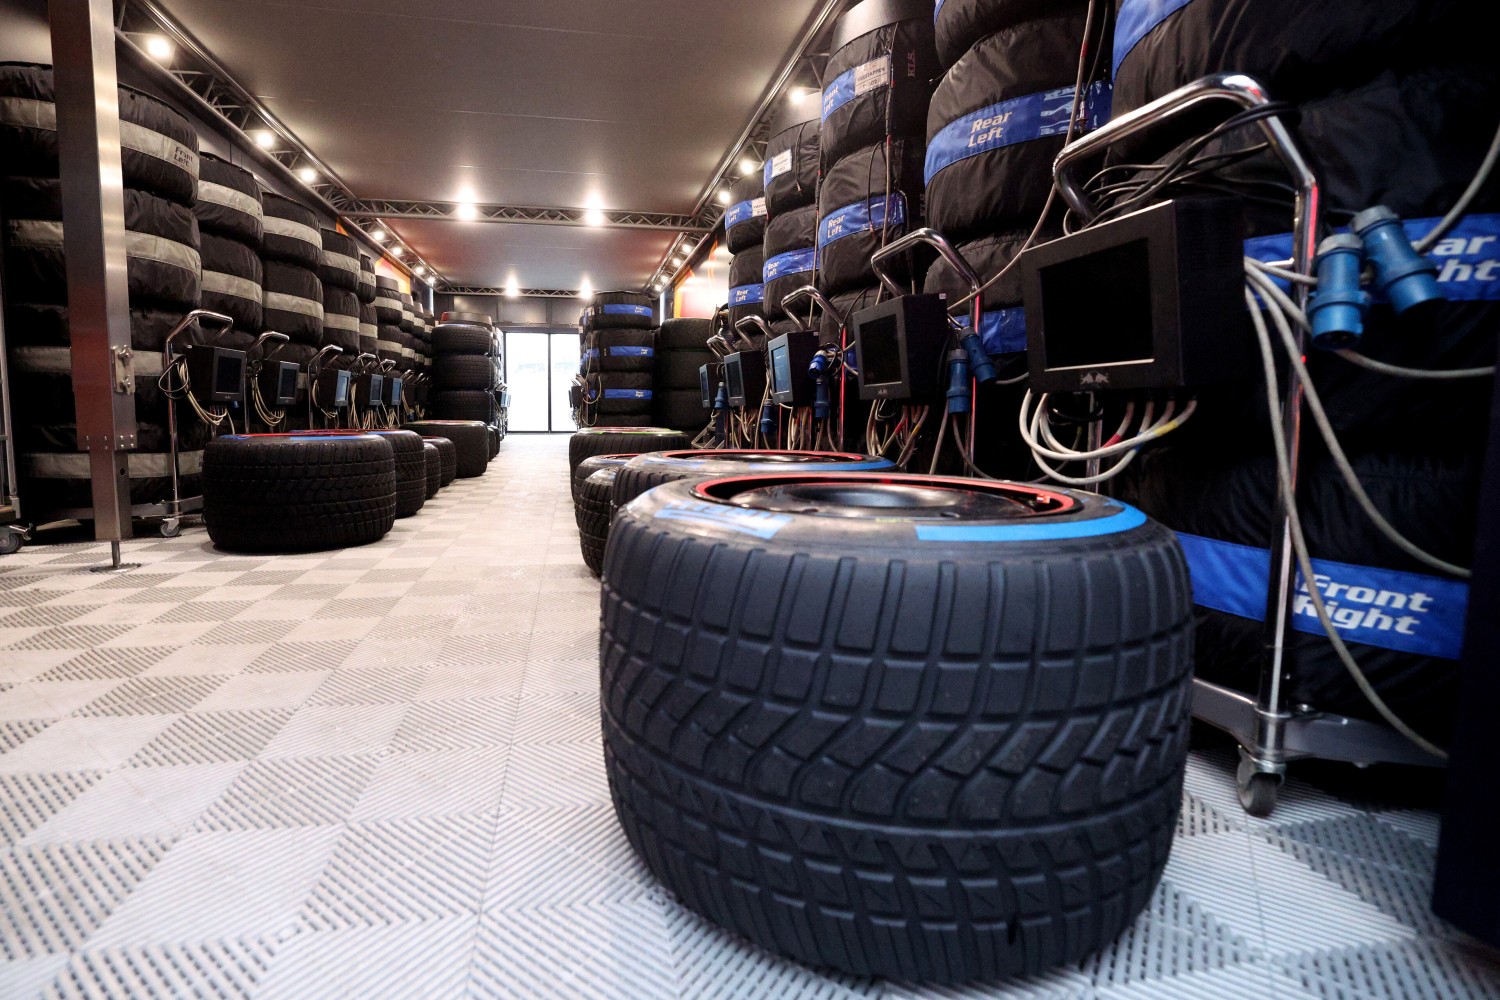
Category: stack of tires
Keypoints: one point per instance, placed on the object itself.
(391, 342)
(619, 357)
(745, 236)
(875, 98)
(292, 259)
(160, 162)
(369, 319)
(681, 349)
(463, 369)
(997, 120)
(343, 278)
(230, 226)
(409, 355)
(791, 176)
(1385, 102)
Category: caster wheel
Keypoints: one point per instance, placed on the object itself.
(10, 542)
(171, 528)
(1258, 790)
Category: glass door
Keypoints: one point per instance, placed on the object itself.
(539, 370)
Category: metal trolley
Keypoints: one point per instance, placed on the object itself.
(1271, 732)
(169, 512)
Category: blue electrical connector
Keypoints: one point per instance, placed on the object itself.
(1337, 309)
(1405, 277)
(768, 420)
(979, 362)
(818, 372)
(958, 382)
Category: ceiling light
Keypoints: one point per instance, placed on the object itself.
(799, 95)
(307, 175)
(380, 236)
(264, 138)
(420, 272)
(158, 47)
(656, 287)
(677, 261)
(725, 197)
(747, 167)
(466, 213)
(513, 288)
(593, 217)
(586, 290)
(398, 251)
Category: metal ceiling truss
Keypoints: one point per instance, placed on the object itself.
(524, 293)
(448, 211)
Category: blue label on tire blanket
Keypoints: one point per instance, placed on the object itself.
(792, 262)
(627, 393)
(856, 82)
(1468, 258)
(747, 295)
(1001, 331)
(1122, 518)
(744, 212)
(591, 353)
(1136, 19)
(1391, 609)
(1020, 119)
(758, 523)
(632, 352)
(627, 310)
(862, 217)
(936, 10)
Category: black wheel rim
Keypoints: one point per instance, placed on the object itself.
(877, 496)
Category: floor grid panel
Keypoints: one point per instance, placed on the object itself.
(377, 773)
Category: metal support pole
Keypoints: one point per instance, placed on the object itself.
(88, 130)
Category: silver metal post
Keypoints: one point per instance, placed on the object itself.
(949, 253)
(93, 187)
(1268, 754)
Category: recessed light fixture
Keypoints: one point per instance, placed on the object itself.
(158, 47)
(466, 212)
(725, 197)
(398, 251)
(747, 167)
(264, 138)
(420, 271)
(380, 236)
(677, 261)
(307, 175)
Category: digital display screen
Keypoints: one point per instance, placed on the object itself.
(734, 378)
(1097, 309)
(781, 370)
(880, 352)
(229, 376)
(341, 390)
(377, 389)
(393, 391)
(286, 391)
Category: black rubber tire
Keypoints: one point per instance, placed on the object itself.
(684, 335)
(747, 284)
(408, 314)
(465, 405)
(369, 330)
(621, 394)
(745, 219)
(622, 441)
(678, 369)
(847, 304)
(341, 310)
(1005, 316)
(791, 257)
(470, 442)
(291, 235)
(639, 318)
(448, 453)
(434, 460)
(455, 338)
(456, 372)
(163, 264)
(469, 318)
(232, 281)
(228, 202)
(366, 280)
(495, 438)
(793, 166)
(591, 465)
(285, 493)
(387, 301)
(897, 108)
(853, 193)
(168, 169)
(292, 301)
(648, 471)
(411, 470)
(959, 24)
(339, 266)
(932, 761)
(680, 409)
(594, 512)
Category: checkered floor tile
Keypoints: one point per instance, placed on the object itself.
(377, 772)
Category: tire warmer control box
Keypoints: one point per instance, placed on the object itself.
(278, 383)
(791, 355)
(216, 375)
(745, 378)
(1152, 300)
(902, 347)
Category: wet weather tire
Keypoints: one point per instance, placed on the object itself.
(933, 758)
(645, 472)
(622, 441)
(594, 514)
(471, 442)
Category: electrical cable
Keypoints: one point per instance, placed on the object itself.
(1446, 224)
(1354, 357)
(1299, 545)
(1271, 294)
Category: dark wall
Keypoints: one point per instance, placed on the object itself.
(559, 314)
